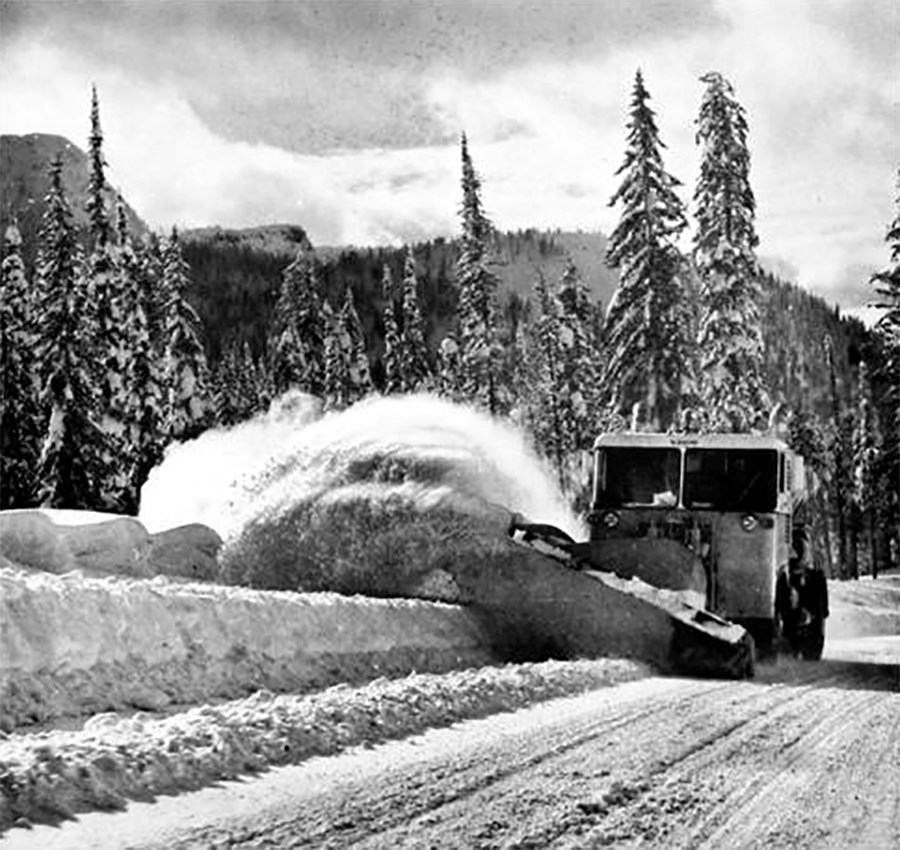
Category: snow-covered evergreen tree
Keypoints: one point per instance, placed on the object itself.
(258, 388)
(886, 284)
(186, 375)
(448, 369)
(546, 403)
(582, 360)
(414, 350)
(299, 344)
(359, 377)
(479, 348)
(144, 438)
(72, 463)
(150, 271)
(649, 336)
(105, 323)
(95, 204)
(731, 370)
(393, 350)
(336, 384)
(20, 425)
(871, 488)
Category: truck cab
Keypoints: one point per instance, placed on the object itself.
(719, 512)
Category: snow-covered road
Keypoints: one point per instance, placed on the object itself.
(805, 755)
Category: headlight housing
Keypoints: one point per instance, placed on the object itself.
(749, 522)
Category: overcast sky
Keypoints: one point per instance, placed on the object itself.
(344, 116)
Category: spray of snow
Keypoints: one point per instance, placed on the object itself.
(193, 481)
(424, 449)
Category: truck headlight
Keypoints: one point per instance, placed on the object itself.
(610, 519)
(748, 522)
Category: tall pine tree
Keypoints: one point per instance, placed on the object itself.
(479, 348)
(582, 361)
(186, 377)
(545, 402)
(144, 439)
(336, 382)
(20, 431)
(359, 376)
(733, 394)
(71, 466)
(106, 325)
(416, 369)
(648, 326)
(393, 349)
(299, 344)
(886, 284)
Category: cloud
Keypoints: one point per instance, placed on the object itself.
(344, 117)
(313, 76)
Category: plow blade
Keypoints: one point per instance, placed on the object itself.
(535, 605)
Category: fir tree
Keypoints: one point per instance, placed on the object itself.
(479, 349)
(359, 376)
(732, 388)
(145, 403)
(870, 488)
(336, 384)
(20, 432)
(95, 204)
(152, 283)
(581, 361)
(105, 323)
(546, 415)
(648, 328)
(186, 376)
(414, 351)
(298, 358)
(393, 351)
(71, 463)
(886, 284)
(226, 390)
(448, 369)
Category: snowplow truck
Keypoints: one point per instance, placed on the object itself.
(716, 524)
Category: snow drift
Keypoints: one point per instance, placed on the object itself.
(73, 645)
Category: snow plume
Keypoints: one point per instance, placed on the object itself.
(373, 499)
(192, 483)
(422, 449)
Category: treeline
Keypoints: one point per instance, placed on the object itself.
(696, 340)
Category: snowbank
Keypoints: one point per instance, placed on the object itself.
(58, 541)
(53, 775)
(863, 608)
(73, 645)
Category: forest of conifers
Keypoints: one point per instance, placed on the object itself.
(116, 343)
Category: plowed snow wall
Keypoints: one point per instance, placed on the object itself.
(71, 645)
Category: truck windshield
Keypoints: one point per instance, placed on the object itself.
(636, 476)
(731, 479)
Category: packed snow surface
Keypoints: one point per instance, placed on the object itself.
(53, 775)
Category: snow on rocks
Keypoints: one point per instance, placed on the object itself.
(53, 775)
(74, 645)
(58, 541)
(32, 539)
